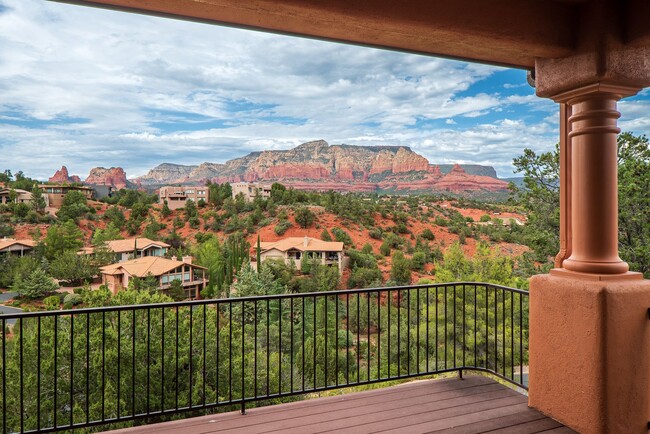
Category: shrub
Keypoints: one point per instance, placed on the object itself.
(53, 302)
(342, 236)
(376, 233)
(282, 227)
(427, 234)
(384, 249)
(304, 217)
(325, 235)
(72, 300)
(418, 260)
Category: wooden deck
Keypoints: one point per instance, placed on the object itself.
(474, 405)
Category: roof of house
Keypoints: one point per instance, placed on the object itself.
(17, 190)
(128, 245)
(142, 267)
(8, 242)
(298, 243)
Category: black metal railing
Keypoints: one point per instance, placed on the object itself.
(87, 367)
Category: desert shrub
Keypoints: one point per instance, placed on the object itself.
(282, 227)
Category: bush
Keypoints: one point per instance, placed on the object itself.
(35, 285)
(362, 277)
(53, 302)
(384, 249)
(72, 300)
(282, 227)
(343, 237)
(376, 233)
(304, 217)
(427, 234)
(418, 260)
(325, 235)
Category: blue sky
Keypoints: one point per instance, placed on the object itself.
(88, 87)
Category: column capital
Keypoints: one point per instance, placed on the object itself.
(616, 91)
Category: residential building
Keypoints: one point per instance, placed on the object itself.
(132, 248)
(16, 247)
(21, 196)
(193, 277)
(297, 249)
(176, 197)
(55, 193)
(251, 190)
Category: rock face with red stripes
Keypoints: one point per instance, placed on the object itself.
(63, 177)
(317, 165)
(115, 177)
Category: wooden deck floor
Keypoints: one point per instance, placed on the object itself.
(474, 405)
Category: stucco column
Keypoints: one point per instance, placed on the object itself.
(593, 185)
(589, 330)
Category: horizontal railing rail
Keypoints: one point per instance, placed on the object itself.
(86, 367)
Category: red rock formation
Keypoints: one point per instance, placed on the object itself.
(115, 176)
(318, 166)
(458, 181)
(62, 176)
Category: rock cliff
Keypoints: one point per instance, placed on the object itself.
(62, 177)
(317, 165)
(115, 177)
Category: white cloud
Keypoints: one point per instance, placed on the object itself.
(87, 87)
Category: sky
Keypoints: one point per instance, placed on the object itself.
(86, 87)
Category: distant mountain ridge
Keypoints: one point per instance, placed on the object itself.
(317, 165)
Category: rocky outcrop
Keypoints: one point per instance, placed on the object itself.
(166, 173)
(115, 177)
(318, 166)
(458, 181)
(62, 177)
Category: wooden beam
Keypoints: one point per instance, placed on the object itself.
(502, 32)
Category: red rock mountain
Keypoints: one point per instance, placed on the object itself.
(62, 176)
(318, 166)
(115, 176)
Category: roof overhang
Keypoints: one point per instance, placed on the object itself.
(502, 32)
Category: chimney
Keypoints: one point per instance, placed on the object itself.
(306, 242)
(188, 259)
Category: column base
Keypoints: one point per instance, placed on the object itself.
(590, 351)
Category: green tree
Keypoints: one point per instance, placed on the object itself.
(110, 233)
(35, 285)
(74, 206)
(165, 212)
(38, 201)
(210, 255)
(400, 269)
(304, 217)
(61, 238)
(634, 201)
(73, 268)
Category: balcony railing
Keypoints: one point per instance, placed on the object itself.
(87, 367)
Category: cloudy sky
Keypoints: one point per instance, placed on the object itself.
(87, 87)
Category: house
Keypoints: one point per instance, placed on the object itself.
(193, 277)
(176, 197)
(132, 248)
(251, 190)
(54, 194)
(296, 249)
(21, 196)
(16, 247)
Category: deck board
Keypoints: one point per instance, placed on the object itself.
(476, 404)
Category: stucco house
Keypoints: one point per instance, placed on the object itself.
(193, 277)
(16, 247)
(132, 248)
(21, 196)
(298, 248)
(251, 190)
(176, 197)
(55, 193)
